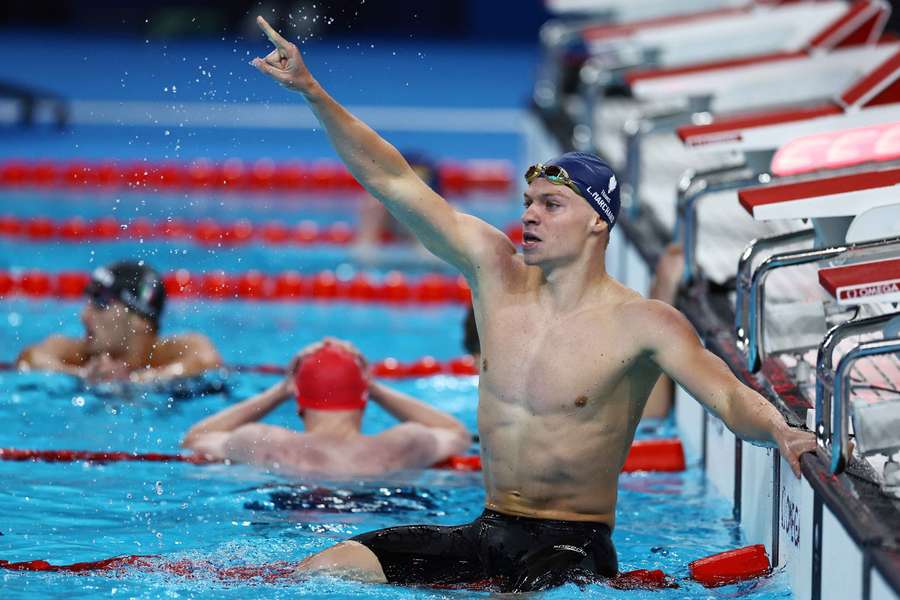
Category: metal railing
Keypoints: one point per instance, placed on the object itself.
(825, 364)
(840, 447)
(754, 347)
(745, 274)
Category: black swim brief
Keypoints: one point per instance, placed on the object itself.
(513, 554)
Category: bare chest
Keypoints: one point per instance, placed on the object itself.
(552, 366)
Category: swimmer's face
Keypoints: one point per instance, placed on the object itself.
(108, 326)
(556, 223)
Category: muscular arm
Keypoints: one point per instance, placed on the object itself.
(210, 429)
(674, 346)
(412, 445)
(406, 408)
(455, 237)
(56, 353)
(427, 436)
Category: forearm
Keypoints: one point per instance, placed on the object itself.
(189, 367)
(408, 409)
(33, 360)
(753, 418)
(248, 411)
(372, 160)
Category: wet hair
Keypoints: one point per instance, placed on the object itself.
(471, 342)
(132, 283)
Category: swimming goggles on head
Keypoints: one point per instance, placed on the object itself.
(101, 297)
(552, 173)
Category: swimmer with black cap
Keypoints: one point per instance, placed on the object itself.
(331, 387)
(568, 358)
(121, 320)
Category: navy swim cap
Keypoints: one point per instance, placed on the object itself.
(134, 284)
(595, 179)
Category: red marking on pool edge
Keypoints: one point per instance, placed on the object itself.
(862, 280)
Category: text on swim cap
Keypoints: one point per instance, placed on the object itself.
(602, 201)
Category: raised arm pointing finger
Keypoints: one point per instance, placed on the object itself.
(284, 64)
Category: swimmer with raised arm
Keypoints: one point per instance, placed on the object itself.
(122, 316)
(569, 356)
(331, 387)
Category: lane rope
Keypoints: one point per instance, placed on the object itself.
(388, 368)
(286, 286)
(263, 175)
(663, 455)
(204, 232)
(720, 569)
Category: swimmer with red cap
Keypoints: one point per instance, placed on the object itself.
(331, 387)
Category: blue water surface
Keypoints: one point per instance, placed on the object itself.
(236, 515)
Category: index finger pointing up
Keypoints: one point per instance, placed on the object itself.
(273, 35)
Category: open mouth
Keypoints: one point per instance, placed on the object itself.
(529, 239)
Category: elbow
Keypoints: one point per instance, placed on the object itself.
(190, 439)
(462, 440)
(25, 360)
(206, 356)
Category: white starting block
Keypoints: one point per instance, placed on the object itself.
(839, 196)
(631, 10)
(786, 28)
(875, 99)
(832, 60)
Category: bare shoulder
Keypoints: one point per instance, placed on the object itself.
(193, 347)
(493, 251)
(64, 349)
(655, 322)
(405, 433)
(406, 445)
(255, 433)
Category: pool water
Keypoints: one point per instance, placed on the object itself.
(237, 515)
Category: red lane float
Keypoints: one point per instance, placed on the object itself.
(389, 368)
(667, 460)
(254, 285)
(68, 456)
(454, 463)
(207, 231)
(655, 455)
(720, 569)
(263, 175)
(731, 566)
